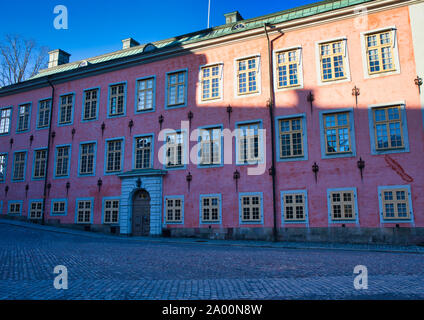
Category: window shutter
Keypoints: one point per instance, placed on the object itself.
(258, 63)
(394, 35)
(299, 56)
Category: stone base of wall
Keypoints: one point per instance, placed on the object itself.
(397, 236)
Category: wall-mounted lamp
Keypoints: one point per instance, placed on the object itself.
(103, 127)
(73, 133)
(26, 190)
(99, 183)
(356, 92)
(315, 170)
(271, 171)
(11, 142)
(190, 117)
(229, 111)
(236, 177)
(6, 190)
(131, 125)
(418, 82)
(138, 183)
(49, 186)
(361, 166)
(53, 134)
(68, 185)
(31, 139)
(160, 121)
(310, 98)
(189, 177)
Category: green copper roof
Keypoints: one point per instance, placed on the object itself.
(249, 24)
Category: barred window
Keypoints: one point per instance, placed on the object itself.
(65, 111)
(176, 88)
(87, 158)
(84, 211)
(143, 152)
(291, 138)
(90, 104)
(388, 128)
(337, 133)
(380, 52)
(287, 69)
(111, 213)
(396, 204)
(19, 166)
(210, 146)
(114, 156)
(62, 161)
(332, 57)
(44, 114)
(210, 209)
(247, 75)
(294, 207)
(248, 143)
(6, 114)
(15, 208)
(145, 89)
(174, 210)
(251, 208)
(36, 210)
(3, 163)
(116, 99)
(342, 205)
(40, 163)
(211, 82)
(174, 150)
(23, 117)
(59, 208)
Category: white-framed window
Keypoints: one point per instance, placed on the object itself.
(111, 211)
(249, 143)
(87, 158)
(3, 166)
(211, 82)
(65, 109)
(91, 100)
(248, 79)
(251, 207)
(23, 117)
(40, 159)
(176, 88)
(174, 209)
(145, 94)
(6, 115)
(380, 55)
(35, 209)
(294, 206)
(210, 146)
(15, 208)
(174, 150)
(84, 208)
(143, 152)
(19, 166)
(114, 155)
(291, 137)
(62, 161)
(58, 207)
(210, 208)
(117, 99)
(44, 113)
(332, 61)
(288, 68)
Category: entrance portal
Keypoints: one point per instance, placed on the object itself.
(141, 213)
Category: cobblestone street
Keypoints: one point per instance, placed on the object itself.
(118, 268)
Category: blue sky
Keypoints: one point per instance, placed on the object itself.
(98, 26)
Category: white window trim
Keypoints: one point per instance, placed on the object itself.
(395, 53)
(318, 62)
(221, 83)
(299, 71)
(259, 78)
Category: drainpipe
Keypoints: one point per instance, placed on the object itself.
(271, 116)
(43, 220)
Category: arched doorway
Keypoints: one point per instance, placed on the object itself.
(141, 213)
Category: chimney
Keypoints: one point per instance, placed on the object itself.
(58, 57)
(129, 43)
(233, 17)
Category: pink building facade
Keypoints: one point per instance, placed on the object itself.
(307, 124)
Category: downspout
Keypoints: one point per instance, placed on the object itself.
(48, 153)
(271, 116)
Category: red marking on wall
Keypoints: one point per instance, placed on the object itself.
(397, 168)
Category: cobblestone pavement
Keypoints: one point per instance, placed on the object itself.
(107, 268)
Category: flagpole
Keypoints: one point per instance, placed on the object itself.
(209, 12)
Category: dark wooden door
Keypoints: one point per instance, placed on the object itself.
(141, 214)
